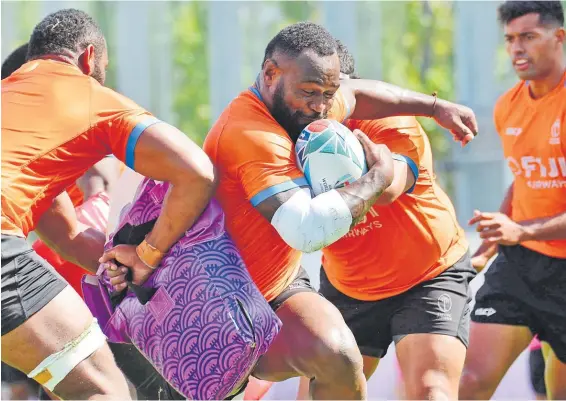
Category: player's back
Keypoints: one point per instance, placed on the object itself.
(411, 240)
(533, 134)
(56, 123)
(252, 153)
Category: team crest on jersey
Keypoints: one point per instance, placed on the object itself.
(555, 133)
(513, 131)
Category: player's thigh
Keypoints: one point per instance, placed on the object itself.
(369, 322)
(41, 315)
(313, 341)
(431, 328)
(554, 374)
(47, 332)
(493, 349)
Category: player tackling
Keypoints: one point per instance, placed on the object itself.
(524, 290)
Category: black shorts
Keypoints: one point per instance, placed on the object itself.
(301, 283)
(437, 306)
(525, 288)
(28, 282)
(536, 368)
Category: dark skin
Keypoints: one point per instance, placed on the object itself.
(162, 153)
(536, 51)
(298, 91)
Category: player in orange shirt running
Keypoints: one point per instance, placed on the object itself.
(57, 121)
(402, 273)
(269, 210)
(524, 290)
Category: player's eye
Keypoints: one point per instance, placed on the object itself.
(308, 93)
(328, 95)
(530, 37)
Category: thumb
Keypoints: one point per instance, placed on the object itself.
(109, 255)
(363, 138)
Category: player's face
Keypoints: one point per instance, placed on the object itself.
(305, 91)
(534, 48)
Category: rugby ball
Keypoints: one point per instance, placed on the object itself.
(329, 155)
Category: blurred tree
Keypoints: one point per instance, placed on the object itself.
(418, 54)
(191, 98)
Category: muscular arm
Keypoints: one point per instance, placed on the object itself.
(369, 100)
(59, 228)
(164, 153)
(309, 224)
(359, 196)
(545, 229)
(403, 180)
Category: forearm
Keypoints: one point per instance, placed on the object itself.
(545, 229)
(182, 206)
(375, 99)
(83, 249)
(362, 194)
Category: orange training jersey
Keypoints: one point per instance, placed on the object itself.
(533, 133)
(57, 123)
(398, 246)
(255, 159)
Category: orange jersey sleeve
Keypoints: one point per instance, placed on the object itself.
(255, 159)
(264, 163)
(120, 122)
(56, 124)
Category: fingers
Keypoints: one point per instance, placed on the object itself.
(491, 236)
(109, 255)
(480, 216)
(487, 225)
(471, 122)
(462, 133)
(117, 275)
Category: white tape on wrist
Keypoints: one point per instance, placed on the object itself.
(309, 224)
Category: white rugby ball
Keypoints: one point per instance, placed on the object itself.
(329, 155)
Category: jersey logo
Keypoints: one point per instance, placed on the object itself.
(555, 133)
(513, 131)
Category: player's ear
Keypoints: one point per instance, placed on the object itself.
(270, 71)
(560, 35)
(87, 60)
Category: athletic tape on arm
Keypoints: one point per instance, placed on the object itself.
(309, 224)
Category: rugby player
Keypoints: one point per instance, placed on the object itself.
(58, 120)
(523, 293)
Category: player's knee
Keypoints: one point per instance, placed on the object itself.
(431, 385)
(474, 384)
(339, 358)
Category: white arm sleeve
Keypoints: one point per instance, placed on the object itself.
(309, 224)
